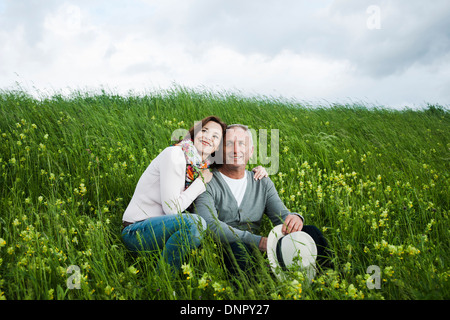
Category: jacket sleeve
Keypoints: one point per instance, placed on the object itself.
(174, 199)
(205, 206)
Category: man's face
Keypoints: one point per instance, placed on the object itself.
(237, 148)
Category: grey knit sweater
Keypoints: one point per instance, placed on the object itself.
(232, 223)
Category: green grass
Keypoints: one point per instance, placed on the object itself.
(376, 181)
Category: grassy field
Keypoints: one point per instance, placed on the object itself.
(376, 181)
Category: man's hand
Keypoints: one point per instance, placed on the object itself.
(293, 223)
(263, 244)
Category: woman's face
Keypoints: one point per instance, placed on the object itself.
(208, 139)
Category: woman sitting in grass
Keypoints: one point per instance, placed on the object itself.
(174, 179)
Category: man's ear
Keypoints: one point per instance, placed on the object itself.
(251, 152)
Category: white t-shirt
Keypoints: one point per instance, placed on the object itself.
(237, 186)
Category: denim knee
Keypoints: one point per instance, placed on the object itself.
(201, 223)
(197, 227)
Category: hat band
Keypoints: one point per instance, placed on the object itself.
(280, 254)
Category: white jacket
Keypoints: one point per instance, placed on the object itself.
(160, 189)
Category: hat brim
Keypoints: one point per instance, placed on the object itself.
(303, 239)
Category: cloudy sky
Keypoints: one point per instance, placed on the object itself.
(391, 53)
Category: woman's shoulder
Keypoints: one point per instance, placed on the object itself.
(172, 150)
(173, 155)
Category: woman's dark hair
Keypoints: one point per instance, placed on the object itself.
(200, 124)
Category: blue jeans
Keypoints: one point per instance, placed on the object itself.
(173, 235)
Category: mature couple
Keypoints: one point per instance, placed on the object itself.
(229, 200)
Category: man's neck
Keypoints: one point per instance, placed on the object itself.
(232, 172)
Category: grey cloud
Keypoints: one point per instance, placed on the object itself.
(251, 26)
(26, 14)
(411, 31)
(414, 38)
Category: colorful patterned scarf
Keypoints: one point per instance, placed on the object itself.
(194, 162)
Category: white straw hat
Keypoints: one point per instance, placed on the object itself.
(283, 250)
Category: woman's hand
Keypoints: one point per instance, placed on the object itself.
(207, 175)
(260, 172)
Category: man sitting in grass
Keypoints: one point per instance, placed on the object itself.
(234, 203)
